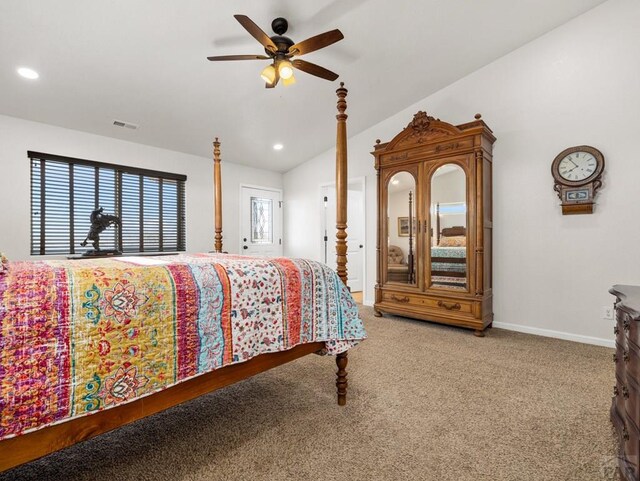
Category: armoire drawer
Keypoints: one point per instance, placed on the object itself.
(451, 305)
(402, 298)
(444, 305)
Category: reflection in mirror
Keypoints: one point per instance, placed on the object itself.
(401, 229)
(448, 213)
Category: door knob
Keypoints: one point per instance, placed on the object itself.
(244, 247)
(361, 246)
(244, 240)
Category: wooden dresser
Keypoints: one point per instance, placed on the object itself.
(625, 406)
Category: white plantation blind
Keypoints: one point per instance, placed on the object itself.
(64, 191)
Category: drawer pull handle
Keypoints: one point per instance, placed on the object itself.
(625, 392)
(400, 299)
(625, 433)
(626, 324)
(625, 356)
(615, 390)
(450, 307)
(616, 330)
(615, 358)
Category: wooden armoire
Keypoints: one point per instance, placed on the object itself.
(435, 223)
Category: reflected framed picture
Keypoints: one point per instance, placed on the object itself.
(403, 226)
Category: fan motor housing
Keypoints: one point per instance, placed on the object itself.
(283, 43)
(280, 26)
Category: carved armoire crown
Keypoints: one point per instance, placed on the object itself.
(435, 223)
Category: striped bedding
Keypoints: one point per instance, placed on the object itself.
(77, 337)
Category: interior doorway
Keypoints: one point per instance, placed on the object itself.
(355, 230)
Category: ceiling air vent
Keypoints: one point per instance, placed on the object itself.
(126, 125)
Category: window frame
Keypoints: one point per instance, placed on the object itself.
(38, 245)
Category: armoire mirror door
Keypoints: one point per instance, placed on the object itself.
(401, 245)
(448, 228)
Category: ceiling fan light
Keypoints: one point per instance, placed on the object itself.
(269, 74)
(288, 81)
(285, 69)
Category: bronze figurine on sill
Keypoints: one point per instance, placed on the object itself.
(99, 223)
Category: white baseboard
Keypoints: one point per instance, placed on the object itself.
(597, 341)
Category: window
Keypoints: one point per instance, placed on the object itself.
(261, 223)
(64, 192)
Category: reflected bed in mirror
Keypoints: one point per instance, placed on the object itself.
(448, 228)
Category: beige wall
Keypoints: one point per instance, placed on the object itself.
(18, 136)
(575, 85)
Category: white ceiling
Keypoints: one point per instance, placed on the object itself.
(145, 62)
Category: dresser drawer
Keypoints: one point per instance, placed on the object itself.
(443, 305)
(631, 361)
(619, 331)
(621, 394)
(621, 361)
(630, 448)
(631, 404)
(629, 328)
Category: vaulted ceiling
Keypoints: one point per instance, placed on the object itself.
(145, 62)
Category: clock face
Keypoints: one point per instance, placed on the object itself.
(577, 166)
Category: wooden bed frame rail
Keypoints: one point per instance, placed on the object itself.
(30, 446)
(33, 445)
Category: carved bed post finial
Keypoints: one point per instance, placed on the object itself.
(341, 184)
(217, 185)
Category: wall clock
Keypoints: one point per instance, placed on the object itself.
(577, 172)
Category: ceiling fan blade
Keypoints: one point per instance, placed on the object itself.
(313, 69)
(238, 57)
(256, 32)
(316, 43)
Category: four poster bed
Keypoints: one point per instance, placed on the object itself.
(91, 345)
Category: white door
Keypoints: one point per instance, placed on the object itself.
(260, 221)
(355, 232)
(355, 239)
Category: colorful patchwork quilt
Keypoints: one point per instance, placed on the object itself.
(81, 336)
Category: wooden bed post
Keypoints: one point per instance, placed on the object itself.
(217, 186)
(341, 185)
(341, 223)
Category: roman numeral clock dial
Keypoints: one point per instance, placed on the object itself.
(577, 173)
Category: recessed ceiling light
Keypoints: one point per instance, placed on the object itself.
(278, 146)
(28, 73)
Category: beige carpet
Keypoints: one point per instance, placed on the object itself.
(426, 402)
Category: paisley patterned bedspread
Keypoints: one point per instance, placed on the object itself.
(81, 336)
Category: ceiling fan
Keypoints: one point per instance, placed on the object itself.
(282, 49)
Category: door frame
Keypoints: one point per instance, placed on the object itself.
(362, 180)
(261, 187)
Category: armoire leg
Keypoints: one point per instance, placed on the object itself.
(377, 313)
(478, 333)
